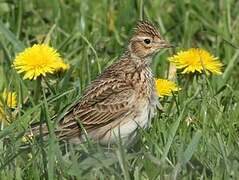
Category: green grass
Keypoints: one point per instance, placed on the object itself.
(90, 35)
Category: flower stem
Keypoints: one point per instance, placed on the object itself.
(48, 85)
(37, 91)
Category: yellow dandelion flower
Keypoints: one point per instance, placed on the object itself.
(165, 87)
(8, 98)
(38, 60)
(196, 60)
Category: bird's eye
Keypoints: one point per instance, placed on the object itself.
(147, 41)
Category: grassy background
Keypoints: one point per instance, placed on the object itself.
(90, 35)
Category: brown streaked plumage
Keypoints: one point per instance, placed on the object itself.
(121, 99)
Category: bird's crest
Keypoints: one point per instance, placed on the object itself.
(145, 27)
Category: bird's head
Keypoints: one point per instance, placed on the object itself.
(146, 40)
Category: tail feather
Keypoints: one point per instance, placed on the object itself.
(37, 129)
(64, 131)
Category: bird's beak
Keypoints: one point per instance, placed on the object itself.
(165, 44)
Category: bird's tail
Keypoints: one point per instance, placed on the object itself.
(64, 131)
(37, 130)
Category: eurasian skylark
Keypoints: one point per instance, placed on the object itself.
(121, 99)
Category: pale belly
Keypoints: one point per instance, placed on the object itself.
(126, 130)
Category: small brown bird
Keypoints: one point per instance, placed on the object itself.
(121, 99)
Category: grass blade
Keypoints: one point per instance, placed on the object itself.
(18, 45)
(187, 155)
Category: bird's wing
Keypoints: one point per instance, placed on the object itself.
(104, 101)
